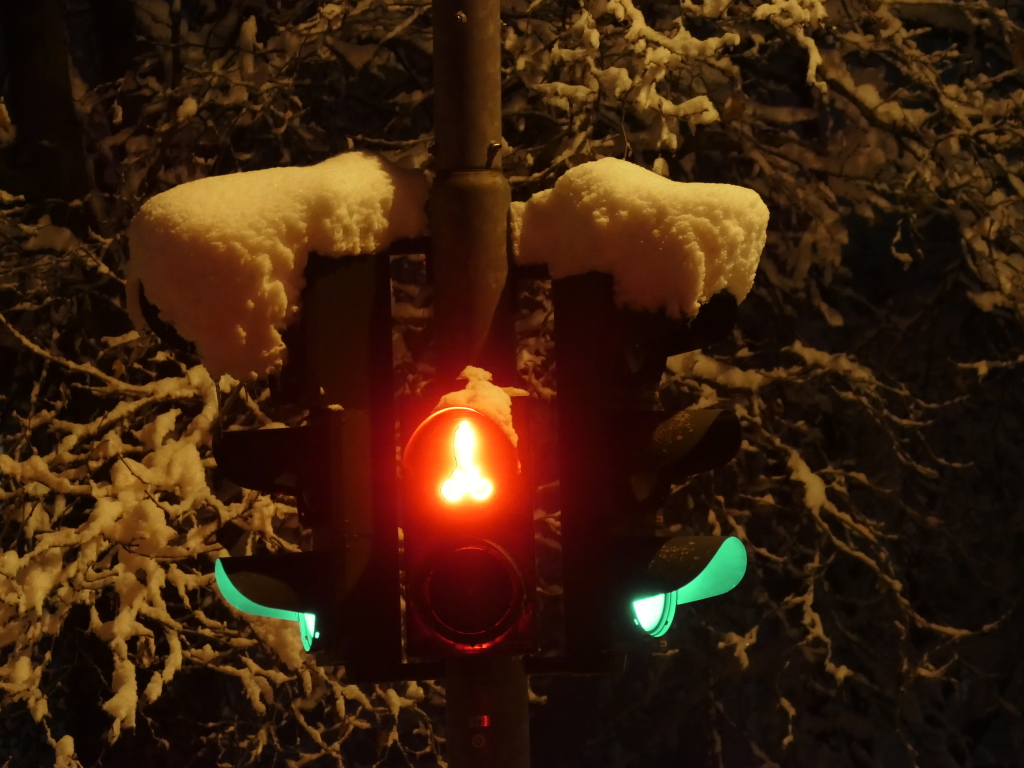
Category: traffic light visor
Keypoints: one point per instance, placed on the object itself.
(724, 571)
(256, 583)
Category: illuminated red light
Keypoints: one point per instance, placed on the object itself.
(468, 536)
(466, 479)
(460, 465)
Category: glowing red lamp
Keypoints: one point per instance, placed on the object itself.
(468, 531)
(466, 479)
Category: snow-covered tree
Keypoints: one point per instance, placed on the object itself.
(875, 369)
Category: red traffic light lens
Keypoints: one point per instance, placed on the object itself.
(459, 460)
(468, 533)
(474, 593)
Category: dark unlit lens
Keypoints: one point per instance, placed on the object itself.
(471, 590)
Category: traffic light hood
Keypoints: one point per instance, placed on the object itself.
(674, 441)
(278, 587)
(668, 447)
(702, 566)
(654, 336)
(265, 460)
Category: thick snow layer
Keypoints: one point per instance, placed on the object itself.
(492, 401)
(223, 257)
(668, 244)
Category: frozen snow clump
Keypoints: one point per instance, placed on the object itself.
(667, 243)
(492, 401)
(223, 257)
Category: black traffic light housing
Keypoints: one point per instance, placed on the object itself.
(340, 466)
(619, 456)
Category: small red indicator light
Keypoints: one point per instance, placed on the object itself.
(466, 479)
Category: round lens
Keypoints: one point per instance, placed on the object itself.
(473, 590)
(654, 614)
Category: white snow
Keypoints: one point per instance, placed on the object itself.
(492, 401)
(48, 236)
(222, 257)
(64, 750)
(668, 244)
(122, 705)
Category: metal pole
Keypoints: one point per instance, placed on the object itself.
(488, 722)
(470, 197)
(487, 705)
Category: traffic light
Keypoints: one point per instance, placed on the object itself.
(706, 566)
(468, 538)
(620, 455)
(666, 448)
(340, 467)
(277, 582)
(339, 593)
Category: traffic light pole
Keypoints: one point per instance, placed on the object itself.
(470, 197)
(487, 712)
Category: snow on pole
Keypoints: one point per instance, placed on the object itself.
(223, 257)
(668, 244)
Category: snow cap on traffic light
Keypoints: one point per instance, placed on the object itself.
(222, 258)
(669, 245)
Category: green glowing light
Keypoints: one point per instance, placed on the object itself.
(721, 574)
(655, 614)
(307, 629)
(307, 621)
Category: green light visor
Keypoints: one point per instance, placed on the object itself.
(654, 614)
(307, 621)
